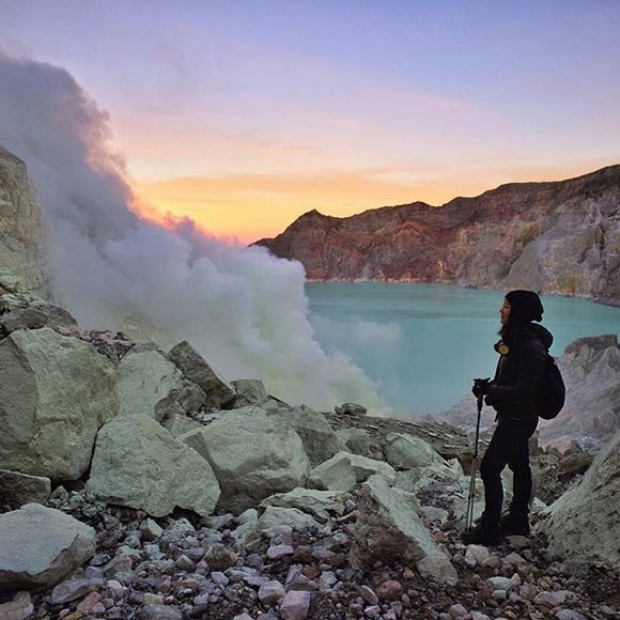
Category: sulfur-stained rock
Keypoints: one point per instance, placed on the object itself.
(344, 470)
(408, 452)
(254, 454)
(138, 463)
(146, 381)
(55, 394)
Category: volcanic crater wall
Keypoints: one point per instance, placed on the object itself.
(557, 237)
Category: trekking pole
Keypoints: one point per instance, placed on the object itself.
(469, 515)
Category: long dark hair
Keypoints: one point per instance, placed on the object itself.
(512, 328)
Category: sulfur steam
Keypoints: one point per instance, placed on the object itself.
(243, 309)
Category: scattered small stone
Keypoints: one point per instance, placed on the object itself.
(70, 590)
(390, 590)
(295, 605)
(220, 557)
(271, 593)
(570, 614)
(457, 611)
(277, 552)
(160, 612)
(369, 595)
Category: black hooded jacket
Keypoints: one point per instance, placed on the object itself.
(516, 385)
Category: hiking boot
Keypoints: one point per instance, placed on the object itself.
(482, 534)
(515, 524)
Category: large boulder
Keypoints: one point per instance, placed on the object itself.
(276, 517)
(147, 383)
(27, 311)
(55, 394)
(390, 530)
(320, 504)
(357, 440)
(335, 474)
(180, 424)
(344, 470)
(249, 392)
(138, 463)
(405, 451)
(320, 441)
(254, 454)
(582, 524)
(40, 546)
(196, 369)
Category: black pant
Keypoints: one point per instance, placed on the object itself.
(509, 446)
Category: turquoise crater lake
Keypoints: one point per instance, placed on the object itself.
(424, 343)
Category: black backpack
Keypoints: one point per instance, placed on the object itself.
(552, 390)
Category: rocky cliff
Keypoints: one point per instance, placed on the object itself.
(591, 371)
(560, 237)
(22, 263)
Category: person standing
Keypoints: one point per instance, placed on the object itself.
(514, 394)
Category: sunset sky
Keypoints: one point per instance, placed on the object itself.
(244, 114)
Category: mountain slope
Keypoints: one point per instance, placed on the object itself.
(557, 237)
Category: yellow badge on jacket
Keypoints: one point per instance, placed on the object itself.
(502, 348)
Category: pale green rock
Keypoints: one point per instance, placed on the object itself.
(55, 394)
(146, 381)
(365, 467)
(582, 525)
(356, 440)
(151, 530)
(336, 474)
(138, 463)
(344, 470)
(275, 516)
(22, 234)
(254, 454)
(318, 504)
(178, 425)
(40, 546)
(389, 529)
(408, 452)
(320, 441)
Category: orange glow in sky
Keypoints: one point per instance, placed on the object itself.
(245, 115)
(251, 207)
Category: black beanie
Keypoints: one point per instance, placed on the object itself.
(525, 305)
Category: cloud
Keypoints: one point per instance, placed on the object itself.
(244, 310)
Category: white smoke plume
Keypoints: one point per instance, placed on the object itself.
(244, 310)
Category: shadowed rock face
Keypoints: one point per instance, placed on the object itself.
(561, 237)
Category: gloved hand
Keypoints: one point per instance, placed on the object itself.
(481, 387)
